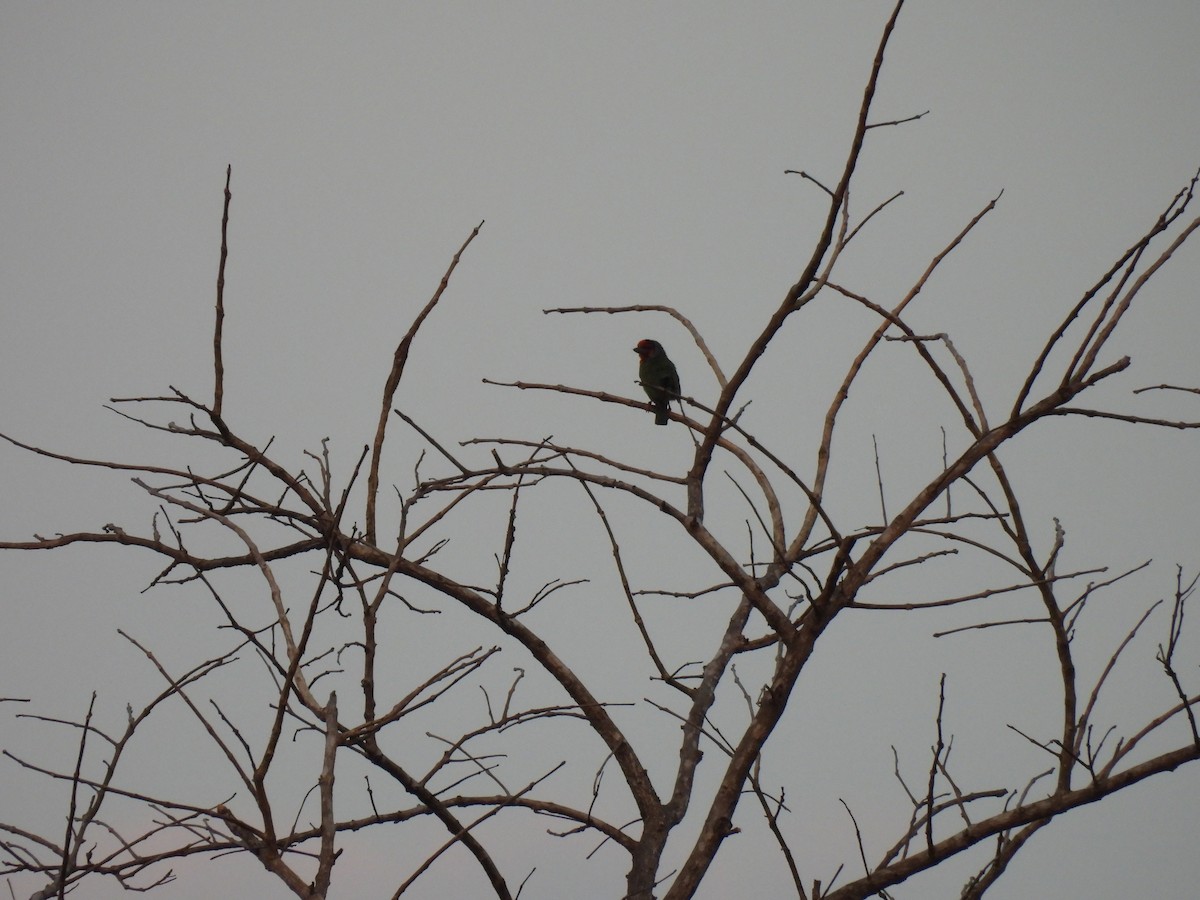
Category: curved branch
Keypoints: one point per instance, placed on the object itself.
(654, 307)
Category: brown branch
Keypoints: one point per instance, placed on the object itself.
(962, 598)
(218, 361)
(862, 853)
(560, 450)
(772, 817)
(808, 177)
(933, 767)
(399, 359)
(72, 841)
(176, 688)
(1006, 848)
(921, 814)
(328, 853)
(1057, 803)
(631, 766)
(669, 310)
(1088, 352)
(438, 447)
(968, 378)
(869, 216)
(602, 396)
(1126, 746)
(192, 480)
(751, 587)
(501, 889)
(1166, 655)
(1126, 262)
(424, 694)
(799, 293)
(294, 648)
(666, 676)
(879, 481)
(1086, 716)
(980, 626)
(440, 810)
(906, 119)
(1123, 417)
(1167, 387)
(747, 461)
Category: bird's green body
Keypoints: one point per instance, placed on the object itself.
(659, 379)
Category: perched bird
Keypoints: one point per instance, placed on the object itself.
(658, 377)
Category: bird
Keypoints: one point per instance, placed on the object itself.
(659, 379)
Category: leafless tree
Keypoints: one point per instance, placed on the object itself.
(309, 625)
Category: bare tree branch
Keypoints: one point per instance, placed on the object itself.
(399, 359)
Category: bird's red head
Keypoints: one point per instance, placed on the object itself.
(646, 348)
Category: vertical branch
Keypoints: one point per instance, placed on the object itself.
(504, 560)
(325, 781)
(718, 823)
(370, 610)
(1054, 616)
(218, 361)
(772, 816)
(933, 767)
(879, 481)
(399, 359)
(862, 853)
(69, 841)
(945, 466)
(1166, 654)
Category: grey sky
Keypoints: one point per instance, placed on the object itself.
(620, 153)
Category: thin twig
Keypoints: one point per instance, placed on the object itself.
(218, 361)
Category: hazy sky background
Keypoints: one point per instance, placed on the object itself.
(620, 153)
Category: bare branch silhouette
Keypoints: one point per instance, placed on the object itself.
(558, 629)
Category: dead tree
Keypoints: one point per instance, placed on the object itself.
(320, 584)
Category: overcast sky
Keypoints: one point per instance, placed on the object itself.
(618, 153)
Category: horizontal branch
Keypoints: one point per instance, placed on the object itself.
(176, 554)
(670, 311)
(1124, 417)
